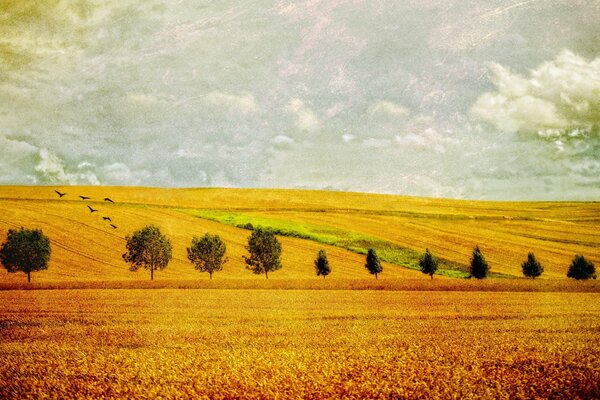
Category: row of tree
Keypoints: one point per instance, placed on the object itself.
(29, 250)
(580, 268)
(148, 248)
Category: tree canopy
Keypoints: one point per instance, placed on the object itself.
(207, 253)
(265, 252)
(581, 268)
(148, 248)
(322, 264)
(428, 263)
(25, 250)
(479, 267)
(532, 268)
(373, 265)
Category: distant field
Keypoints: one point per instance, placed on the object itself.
(298, 344)
(85, 248)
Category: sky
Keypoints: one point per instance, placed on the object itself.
(495, 99)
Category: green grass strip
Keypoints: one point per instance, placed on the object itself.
(353, 241)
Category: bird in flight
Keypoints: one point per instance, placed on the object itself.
(84, 197)
(113, 226)
(109, 200)
(107, 219)
(91, 209)
(59, 193)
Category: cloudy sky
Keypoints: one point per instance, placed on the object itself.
(495, 99)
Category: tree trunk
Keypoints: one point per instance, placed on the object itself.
(210, 274)
(267, 274)
(28, 276)
(431, 276)
(151, 274)
(376, 275)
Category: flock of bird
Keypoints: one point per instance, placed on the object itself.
(92, 210)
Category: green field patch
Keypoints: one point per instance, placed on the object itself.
(352, 241)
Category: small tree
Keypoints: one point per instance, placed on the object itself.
(479, 267)
(26, 250)
(207, 253)
(148, 248)
(532, 268)
(428, 263)
(373, 264)
(581, 268)
(265, 250)
(322, 264)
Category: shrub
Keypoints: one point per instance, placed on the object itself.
(532, 268)
(581, 268)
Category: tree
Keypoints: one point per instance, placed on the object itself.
(532, 268)
(479, 267)
(581, 268)
(148, 248)
(26, 250)
(265, 250)
(207, 253)
(322, 264)
(373, 264)
(428, 263)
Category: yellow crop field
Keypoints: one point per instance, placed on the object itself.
(86, 248)
(88, 327)
(292, 344)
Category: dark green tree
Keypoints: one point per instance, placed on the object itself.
(581, 268)
(148, 248)
(322, 264)
(373, 264)
(207, 253)
(25, 250)
(265, 252)
(428, 263)
(532, 268)
(479, 267)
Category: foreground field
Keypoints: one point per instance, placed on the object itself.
(86, 248)
(298, 344)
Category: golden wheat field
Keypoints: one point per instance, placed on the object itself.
(220, 344)
(86, 248)
(87, 327)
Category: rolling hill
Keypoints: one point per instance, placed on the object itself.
(87, 248)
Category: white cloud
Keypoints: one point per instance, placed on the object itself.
(14, 150)
(559, 99)
(282, 141)
(428, 139)
(307, 120)
(15, 161)
(347, 137)
(120, 173)
(244, 102)
(389, 108)
(52, 169)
